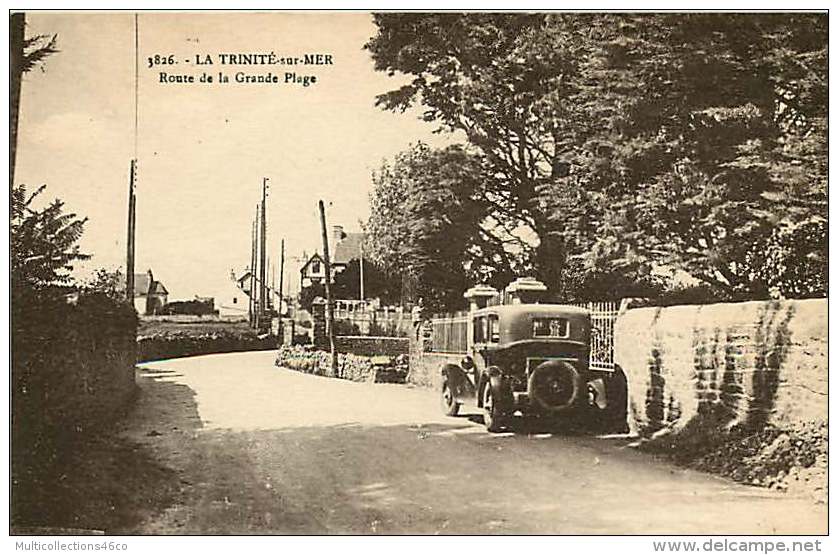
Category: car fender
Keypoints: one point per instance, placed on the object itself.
(597, 388)
(458, 381)
(501, 390)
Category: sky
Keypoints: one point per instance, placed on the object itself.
(203, 149)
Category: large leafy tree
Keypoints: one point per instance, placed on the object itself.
(628, 142)
(43, 241)
(428, 224)
(718, 142)
(486, 76)
(377, 284)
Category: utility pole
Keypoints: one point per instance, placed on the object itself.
(132, 178)
(362, 269)
(262, 255)
(330, 306)
(250, 268)
(17, 26)
(281, 274)
(252, 292)
(132, 229)
(272, 288)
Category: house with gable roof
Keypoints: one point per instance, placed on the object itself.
(150, 295)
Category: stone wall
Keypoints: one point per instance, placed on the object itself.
(371, 346)
(736, 364)
(177, 345)
(310, 361)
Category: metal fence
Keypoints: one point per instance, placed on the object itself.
(383, 321)
(603, 316)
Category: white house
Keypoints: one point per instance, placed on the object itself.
(149, 295)
(230, 300)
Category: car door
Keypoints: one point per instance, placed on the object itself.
(486, 339)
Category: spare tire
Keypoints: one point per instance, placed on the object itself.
(555, 385)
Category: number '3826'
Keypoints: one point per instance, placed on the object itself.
(161, 60)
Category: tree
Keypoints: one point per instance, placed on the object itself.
(629, 142)
(308, 294)
(377, 284)
(429, 224)
(110, 283)
(522, 90)
(43, 241)
(716, 138)
(485, 75)
(795, 262)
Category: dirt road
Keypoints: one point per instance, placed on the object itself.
(258, 449)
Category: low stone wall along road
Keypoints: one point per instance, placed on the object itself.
(260, 449)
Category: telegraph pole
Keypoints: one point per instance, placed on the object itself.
(272, 288)
(250, 280)
(253, 259)
(362, 269)
(132, 179)
(132, 229)
(330, 306)
(263, 254)
(281, 274)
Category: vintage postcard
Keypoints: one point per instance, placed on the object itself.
(420, 273)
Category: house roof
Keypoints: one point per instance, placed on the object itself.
(312, 258)
(144, 285)
(157, 288)
(348, 249)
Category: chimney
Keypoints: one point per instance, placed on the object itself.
(337, 234)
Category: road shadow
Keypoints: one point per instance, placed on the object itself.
(172, 473)
(437, 478)
(528, 425)
(112, 481)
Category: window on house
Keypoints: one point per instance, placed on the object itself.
(315, 267)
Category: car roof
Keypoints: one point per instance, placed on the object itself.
(517, 310)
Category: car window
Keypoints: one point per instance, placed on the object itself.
(551, 327)
(493, 334)
(480, 329)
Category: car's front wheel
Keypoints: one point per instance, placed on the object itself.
(450, 406)
(493, 417)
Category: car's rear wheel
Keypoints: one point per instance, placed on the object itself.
(493, 417)
(450, 406)
(555, 386)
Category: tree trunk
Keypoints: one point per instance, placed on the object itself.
(16, 33)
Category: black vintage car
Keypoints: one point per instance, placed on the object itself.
(530, 359)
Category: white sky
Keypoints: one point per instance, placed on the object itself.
(203, 149)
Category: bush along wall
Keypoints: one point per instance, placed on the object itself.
(161, 346)
(72, 364)
(72, 375)
(736, 388)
